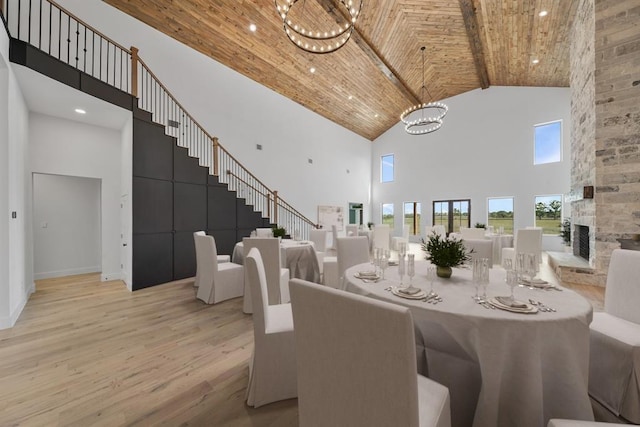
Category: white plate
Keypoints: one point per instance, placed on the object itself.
(419, 295)
(528, 310)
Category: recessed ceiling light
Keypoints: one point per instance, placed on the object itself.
(535, 61)
(312, 70)
(80, 111)
(375, 115)
(252, 28)
(350, 97)
(543, 13)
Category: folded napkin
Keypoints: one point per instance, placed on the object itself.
(367, 274)
(515, 304)
(536, 281)
(409, 291)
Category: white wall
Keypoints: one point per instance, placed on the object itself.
(484, 149)
(66, 225)
(64, 147)
(15, 276)
(242, 113)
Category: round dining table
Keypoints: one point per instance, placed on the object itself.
(502, 368)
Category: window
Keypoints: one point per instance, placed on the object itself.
(453, 214)
(500, 213)
(549, 213)
(387, 214)
(386, 168)
(412, 217)
(547, 143)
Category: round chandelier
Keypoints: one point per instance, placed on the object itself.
(426, 117)
(314, 40)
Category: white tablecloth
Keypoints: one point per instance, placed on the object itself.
(298, 256)
(499, 241)
(502, 369)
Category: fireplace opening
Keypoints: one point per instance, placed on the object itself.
(581, 241)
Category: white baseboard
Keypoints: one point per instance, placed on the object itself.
(8, 321)
(69, 272)
(110, 276)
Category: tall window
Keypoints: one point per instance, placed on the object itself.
(549, 213)
(386, 168)
(500, 213)
(387, 214)
(453, 214)
(547, 143)
(412, 216)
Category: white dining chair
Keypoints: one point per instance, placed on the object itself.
(381, 233)
(216, 281)
(351, 251)
(438, 229)
(352, 230)
(348, 378)
(277, 276)
(272, 367)
(479, 248)
(526, 241)
(472, 233)
(556, 422)
(614, 363)
(264, 232)
(221, 259)
(319, 238)
(397, 240)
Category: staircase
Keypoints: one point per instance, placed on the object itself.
(179, 168)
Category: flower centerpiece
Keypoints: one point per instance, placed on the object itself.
(444, 253)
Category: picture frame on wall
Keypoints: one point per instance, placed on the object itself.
(331, 215)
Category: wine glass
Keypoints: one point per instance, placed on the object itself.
(531, 266)
(484, 276)
(402, 248)
(411, 268)
(512, 281)
(476, 268)
(376, 258)
(431, 277)
(401, 268)
(384, 263)
(519, 267)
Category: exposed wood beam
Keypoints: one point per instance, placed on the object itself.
(471, 24)
(366, 46)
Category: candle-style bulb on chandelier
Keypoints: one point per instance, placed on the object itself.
(315, 40)
(426, 117)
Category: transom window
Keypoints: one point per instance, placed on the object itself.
(386, 168)
(547, 143)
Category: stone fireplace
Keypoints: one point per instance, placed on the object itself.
(581, 246)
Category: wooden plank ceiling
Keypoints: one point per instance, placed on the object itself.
(365, 85)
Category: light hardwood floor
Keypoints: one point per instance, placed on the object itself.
(89, 353)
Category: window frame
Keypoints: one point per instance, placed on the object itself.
(414, 226)
(450, 227)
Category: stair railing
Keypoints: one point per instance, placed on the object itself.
(54, 30)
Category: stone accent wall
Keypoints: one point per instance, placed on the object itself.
(617, 44)
(583, 120)
(606, 124)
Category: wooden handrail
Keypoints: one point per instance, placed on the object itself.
(88, 26)
(134, 71)
(216, 147)
(249, 185)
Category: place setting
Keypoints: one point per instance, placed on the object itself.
(411, 292)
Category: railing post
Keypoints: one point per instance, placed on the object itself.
(268, 205)
(215, 156)
(275, 207)
(134, 71)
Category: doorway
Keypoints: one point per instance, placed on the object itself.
(355, 213)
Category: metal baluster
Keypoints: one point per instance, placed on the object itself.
(77, 41)
(68, 38)
(29, 26)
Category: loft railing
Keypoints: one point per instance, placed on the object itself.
(54, 30)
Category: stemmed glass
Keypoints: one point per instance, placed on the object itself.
(411, 268)
(519, 267)
(484, 276)
(477, 270)
(531, 266)
(512, 281)
(402, 248)
(401, 268)
(384, 262)
(431, 277)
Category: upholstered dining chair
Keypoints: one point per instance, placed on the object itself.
(272, 368)
(397, 240)
(264, 232)
(277, 277)
(217, 281)
(438, 229)
(527, 240)
(319, 238)
(614, 362)
(348, 376)
(556, 422)
(351, 251)
(352, 230)
(221, 258)
(479, 248)
(381, 234)
(472, 233)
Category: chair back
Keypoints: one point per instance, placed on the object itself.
(199, 260)
(529, 240)
(622, 294)
(207, 260)
(319, 238)
(346, 375)
(351, 251)
(381, 236)
(264, 232)
(256, 276)
(438, 229)
(352, 230)
(334, 236)
(472, 233)
(405, 231)
(269, 248)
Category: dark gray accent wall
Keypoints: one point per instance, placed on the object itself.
(173, 196)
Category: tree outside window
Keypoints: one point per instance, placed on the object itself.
(548, 213)
(387, 214)
(500, 213)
